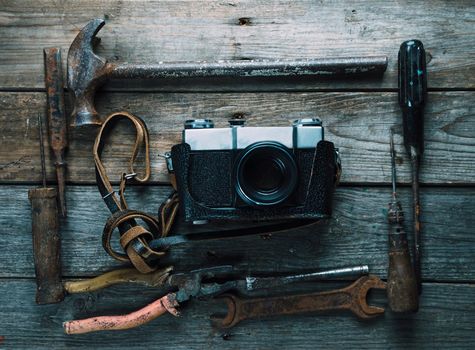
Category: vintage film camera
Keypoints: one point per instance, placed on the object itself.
(255, 173)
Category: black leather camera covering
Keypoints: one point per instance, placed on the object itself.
(317, 195)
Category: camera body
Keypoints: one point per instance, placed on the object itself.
(255, 173)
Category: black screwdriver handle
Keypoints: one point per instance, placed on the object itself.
(412, 93)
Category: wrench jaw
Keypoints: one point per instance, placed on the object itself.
(231, 318)
(360, 290)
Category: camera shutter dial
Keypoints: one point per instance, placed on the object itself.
(307, 122)
(236, 122)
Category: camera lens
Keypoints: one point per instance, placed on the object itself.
(266, 174)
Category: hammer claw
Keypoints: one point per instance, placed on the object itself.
(88, 33)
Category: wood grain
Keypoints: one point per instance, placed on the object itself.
(358, 124)
(357, 234)
(357, 114)
(152, 31)
(31, 326)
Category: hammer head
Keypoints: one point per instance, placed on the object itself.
(86, 72)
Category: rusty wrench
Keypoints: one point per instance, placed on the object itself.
(351, 298)
(194, 284)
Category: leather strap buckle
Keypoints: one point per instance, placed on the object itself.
(134, 238)
(130, 176)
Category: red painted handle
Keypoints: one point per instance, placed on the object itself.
(132, 320)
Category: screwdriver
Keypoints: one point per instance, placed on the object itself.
(412, 99)
(58, 137)
(46, 239)
(402, 287)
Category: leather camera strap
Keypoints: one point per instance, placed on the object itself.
(134, 238)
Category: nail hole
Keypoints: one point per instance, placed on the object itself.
(266, 236)
(243, 58)
(211, 254)
(244, 21)
(226, 336)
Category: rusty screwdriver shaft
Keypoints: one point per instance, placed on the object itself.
(57, 124)
(46, 239)
(42, 152)
(402, 287)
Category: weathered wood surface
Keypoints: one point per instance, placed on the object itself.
(358, 124)
(357, 233)
(357, 115)
(152, 31)
(446, 320)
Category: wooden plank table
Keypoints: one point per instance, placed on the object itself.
(357, 116)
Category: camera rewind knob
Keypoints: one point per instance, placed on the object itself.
(199, 124)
